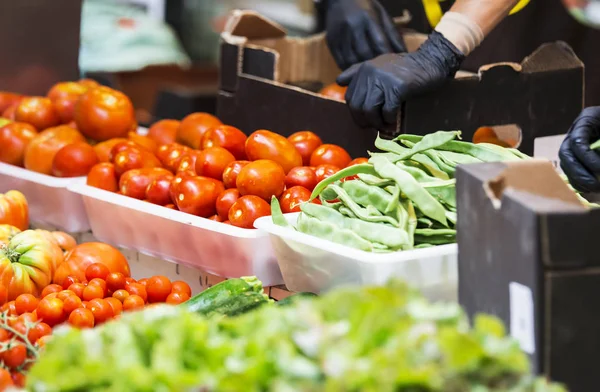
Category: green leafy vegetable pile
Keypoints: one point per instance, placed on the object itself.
(369, 339)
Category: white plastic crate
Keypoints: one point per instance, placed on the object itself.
(214, 247)
(316, 265)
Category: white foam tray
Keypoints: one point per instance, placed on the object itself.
(316, 265)
(51, 204)
(178, 237)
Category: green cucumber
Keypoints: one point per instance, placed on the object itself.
(292, 298)
(230, 297)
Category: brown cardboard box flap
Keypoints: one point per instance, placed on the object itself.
(252, 25)
(536, 177)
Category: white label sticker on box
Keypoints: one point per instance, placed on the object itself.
(547, 147)
(522, 319)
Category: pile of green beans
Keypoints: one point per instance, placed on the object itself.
(403, 198)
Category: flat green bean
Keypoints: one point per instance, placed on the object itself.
(418, 173)
(276, 214)
(391, 146)
(435, 232)
(347, 172)
(370, 179)
(427, 142)
(411, 188)
(365, 194)
(359, 211)
(412, 220)
(479, 151)
(431, 166)
(458, 159)
(434, 240)
(346, 211)
(329, 231)
(395, 201)
(452, 217)
(445, 167)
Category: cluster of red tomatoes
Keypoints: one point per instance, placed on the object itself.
(215, 171)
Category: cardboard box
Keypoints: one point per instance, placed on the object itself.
(40, 44)
(268, 81)
(528, 254)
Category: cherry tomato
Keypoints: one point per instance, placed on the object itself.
(102, 113)
(101, 310)
(129, 279)
(134, 158)
(96, 270)
(215, 218)
(170, 155)
(164, 131)
(158, 288)
(40, 330)
(77, 288)
(188, 162)
(264, 144)
(358, 161)
(193, 127)
(115, 304)
(19, 327)
(232, 170)
(246, 210)
(64, 96)
(324, 171)
(334, 91)
(10, 112)
(81, 318)
(115, 281)
(4, 335)
(14, 138)
(15, 356)
(121, 294)
(51, 311)
(18, 379)
(137, 289)
(143, 282)
(3, 294)
(330, 154)
(26, 303)
(263, 178)
(40, 152)
(7, 99)
(196, 195)
(69, 280)
(170, 206)
(134, 183)
(71, 303)
(51, 288)
(133, 302)
(225, 201)
(64, 294)
(213, 161)
(98, 282)
(304, 176)
(103, 176)
(181, 287)
(37, 111)
(305, 142)
(10, 308)
(103, 149)
(5, 379)
(123, 145)
(143, 141)
(228, 137)
(292, 198)
(74, 160)
(177, 298)
(92, 291)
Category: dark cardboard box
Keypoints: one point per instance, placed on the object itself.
(528, 254)
(40, 44)
(261, 69)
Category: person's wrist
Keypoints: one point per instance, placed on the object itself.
(439, 51)
(461, 31)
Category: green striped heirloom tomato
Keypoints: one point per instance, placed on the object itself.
(26, 263)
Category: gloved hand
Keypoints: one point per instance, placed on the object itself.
(377, 87)
(359, 30)
(577, 160)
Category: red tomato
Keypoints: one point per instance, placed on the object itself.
(101, 310)
(77, 288)
(26, 303)
(292, 198)
(98, 282)
(143, 141)
(104, 149)
(37, 111)
(158, 288)
(137, 289)
(96, 270)
(268, 145)
(177, 298)
(334, 91)
(196, 195)
(170, 206)
(14, 139)
(133, 302)
(51, 311)
(188, 162)
(305, 142)
(193, 127)
(215, 218)
(324, 171)
(263, 178)
(39, 331)
(121, 294)
(164, 131)
(304, 176)
(330, 154)
(134, 159)
(92, 291)
(64, 96)
(213, 161)
(51, 288)
(64, 294)
(89, 83)
(69, 280)
(170, 155)
(15, 356)
(115, 281)
(103, 113)
(10, 112)
(181, 287)
(82, 318)
(231, 172)
(225, 201)
(8, 99)
(158, 191)
(103, 176)
(18, 379)
(71, 303)
(40, 152)
(74, 160)
(116, 305)
(228, 137)
(358, 161)
(9, 308)
(247, 209)
(134, 183)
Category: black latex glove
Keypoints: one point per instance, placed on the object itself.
(377, 87)
(359, 30)
(579, 163)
